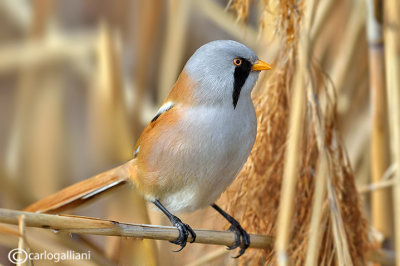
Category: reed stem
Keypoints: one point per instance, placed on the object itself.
(86, 225)
(392, 60)
(381, 201)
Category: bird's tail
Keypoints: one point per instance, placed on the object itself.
(80, 193)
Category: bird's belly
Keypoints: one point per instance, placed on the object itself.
(204, 187)
(219, 146)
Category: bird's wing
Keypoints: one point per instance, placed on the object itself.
(80, 193)
(180, 94)
(155, 156)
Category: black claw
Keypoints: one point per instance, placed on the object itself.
(182, 246)
(191, 232)
(184, 231)
(237, 238)
(241, 252)
(242, 238)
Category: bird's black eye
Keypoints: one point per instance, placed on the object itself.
(237, 61)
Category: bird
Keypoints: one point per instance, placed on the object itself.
(195, 145)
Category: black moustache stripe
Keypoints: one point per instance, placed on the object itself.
(240, 76)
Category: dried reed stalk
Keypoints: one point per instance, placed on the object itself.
(22, 240)
(293, 152)
(377, 186)
(294, 141)
(17, 13)
(109, 135)
(178, 14)
(392, 60)
(255, 195)
(317, 212)
(46, 52)
(349, 45)
(323, 13)
(86, 225)
(147, 27)
(381, 203)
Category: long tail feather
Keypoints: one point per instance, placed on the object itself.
(80, 193)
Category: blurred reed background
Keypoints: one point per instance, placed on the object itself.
(79, 79)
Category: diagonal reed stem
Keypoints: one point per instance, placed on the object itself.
(315, 234)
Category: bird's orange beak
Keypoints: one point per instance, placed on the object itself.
(260, 65)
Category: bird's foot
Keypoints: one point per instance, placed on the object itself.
(184, 231)
(242, 238)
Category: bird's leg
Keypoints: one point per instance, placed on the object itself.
(184, 229)
(242, 237)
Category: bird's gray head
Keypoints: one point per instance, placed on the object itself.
(224, 71)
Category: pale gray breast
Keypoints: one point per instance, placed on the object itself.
(222, 137)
